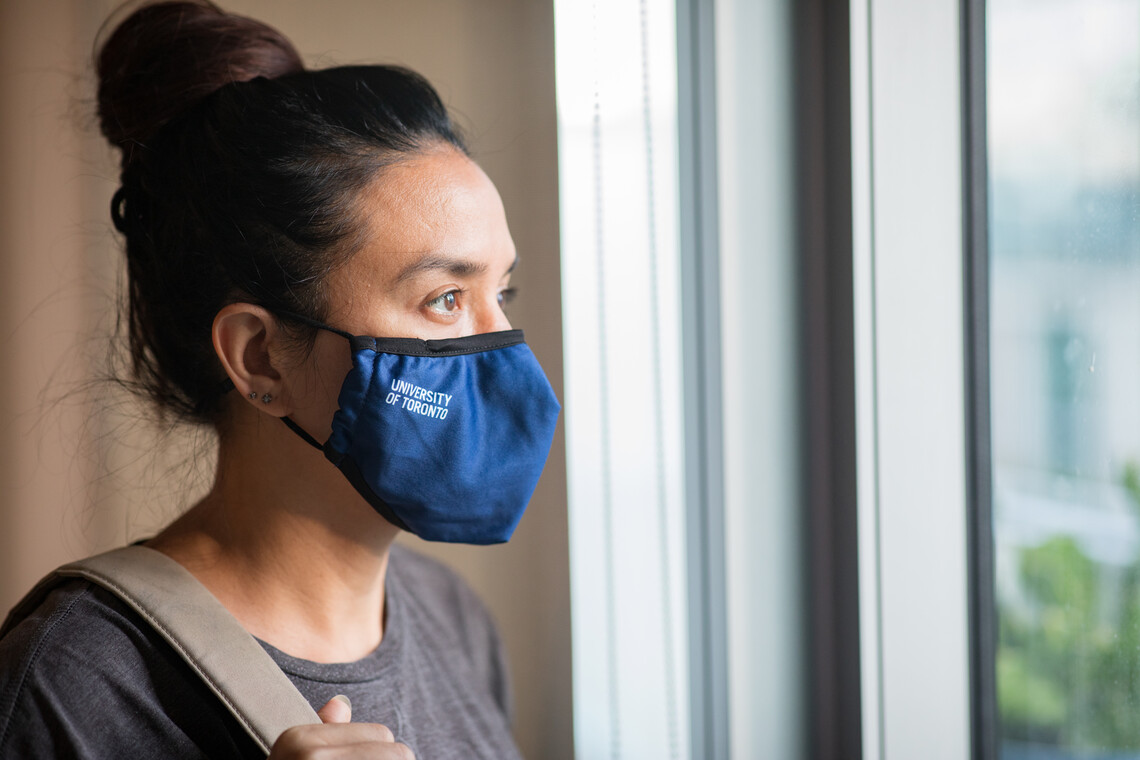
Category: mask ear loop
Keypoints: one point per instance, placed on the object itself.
(313, 323)
(302, 434)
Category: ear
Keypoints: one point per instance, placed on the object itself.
(244, 337)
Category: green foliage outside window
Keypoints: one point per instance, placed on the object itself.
(1068, 663)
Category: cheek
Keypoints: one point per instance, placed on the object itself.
(330, 374)
(317, 386)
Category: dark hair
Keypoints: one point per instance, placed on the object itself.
(240, 174)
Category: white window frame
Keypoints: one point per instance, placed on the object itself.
(911, 412)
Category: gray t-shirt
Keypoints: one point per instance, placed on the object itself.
(85, 676)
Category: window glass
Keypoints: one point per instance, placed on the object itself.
(1063, 102)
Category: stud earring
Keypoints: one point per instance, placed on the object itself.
(267, 398)
(252, 395)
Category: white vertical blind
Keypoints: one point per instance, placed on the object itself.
(617, 95)
(759, 380)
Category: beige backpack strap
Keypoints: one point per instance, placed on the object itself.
(231, 662)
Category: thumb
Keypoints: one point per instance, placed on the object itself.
(336, 710)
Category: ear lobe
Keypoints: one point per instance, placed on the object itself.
(242, 334)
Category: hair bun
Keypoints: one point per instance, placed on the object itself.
(167, 56)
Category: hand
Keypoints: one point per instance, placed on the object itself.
(337, 738)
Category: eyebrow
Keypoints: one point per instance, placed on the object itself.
(455, 267)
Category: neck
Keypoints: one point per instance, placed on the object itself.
(286, 544)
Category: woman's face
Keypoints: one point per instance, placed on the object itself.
(436, 263)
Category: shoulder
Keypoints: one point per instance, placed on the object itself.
(434, 589)
(75, 618)
(74, 632)
(83, 675)
(445, 612)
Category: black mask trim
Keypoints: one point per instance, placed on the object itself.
(468, 344)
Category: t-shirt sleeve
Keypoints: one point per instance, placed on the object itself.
(82, 676)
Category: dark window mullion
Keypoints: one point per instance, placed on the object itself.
(975, 204)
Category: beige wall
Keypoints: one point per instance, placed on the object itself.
(82, 469)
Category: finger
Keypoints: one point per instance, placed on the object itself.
(376, 751)
(341, 733)
(336, 710)
(299, 739)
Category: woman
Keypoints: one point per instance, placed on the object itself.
(287, 232)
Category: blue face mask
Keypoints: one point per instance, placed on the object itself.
(444, 438)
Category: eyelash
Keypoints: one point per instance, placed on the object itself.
(505, 297)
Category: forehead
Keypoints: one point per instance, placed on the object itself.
(438, 203)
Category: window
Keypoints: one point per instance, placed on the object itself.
(1063, 103)
(993, 439)
(678, 216)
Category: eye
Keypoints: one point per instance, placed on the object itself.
(446, 303)
(507, 295)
